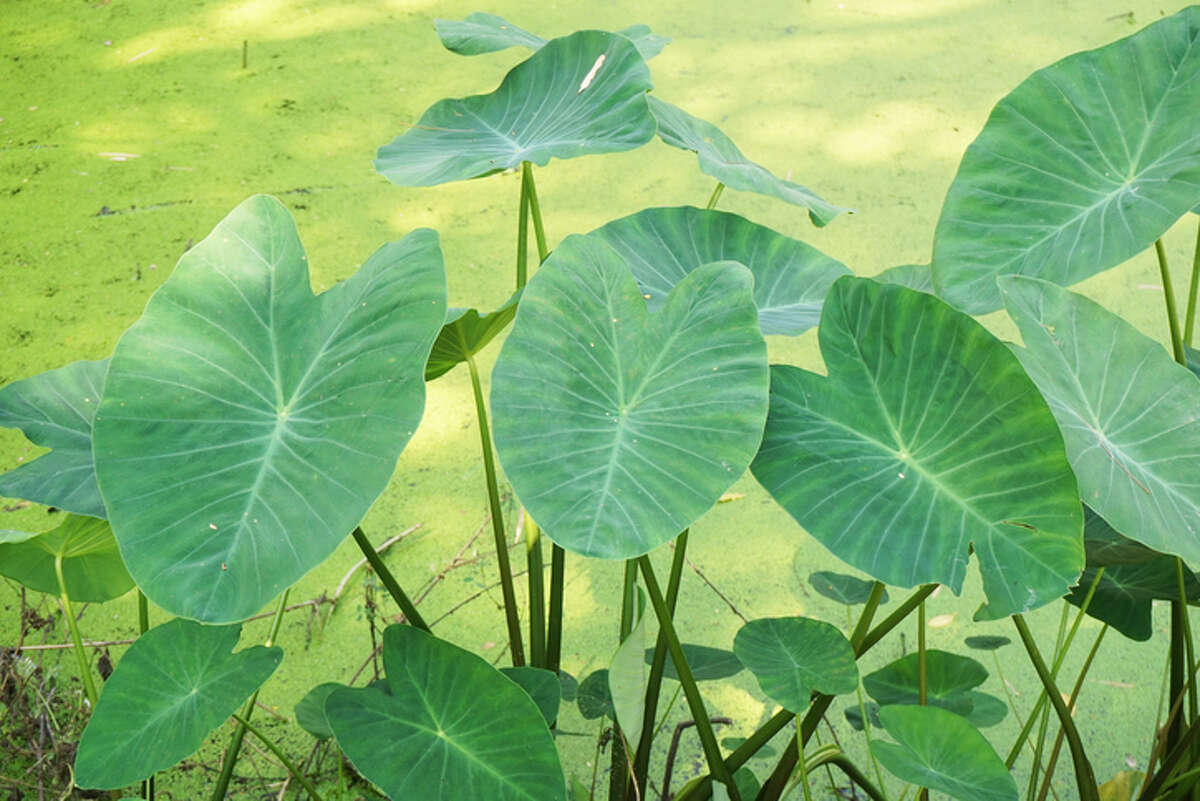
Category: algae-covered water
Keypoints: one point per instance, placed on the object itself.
(128, 129)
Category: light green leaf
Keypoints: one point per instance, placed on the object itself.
(246, 425)
(540, 685)
(453, 727)
(176, 684)
(618, 428)
(579, 95)
(848, 590)
(465, 333)
(1129, 414)
(1081, 167)
(627, 682)
(663, 245)
(55, 410)
(720, 158)
(91, 565)
(792, 656)
(486, 33)
(926, 437)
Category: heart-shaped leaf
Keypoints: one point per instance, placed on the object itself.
(662, 245)
(926, 437)
(939, 750)
(706, 663)
(948, 677)
(1082, 166)
(594, 697)
(176, 684)
(792, 656)
(540, 685)
(720, 158)
(486, 33)
(844, 589)
(465, 333)
(453, 727)
(310, 711)
(246, 425)
(55, 410)
(618, 428)
(92, 569)
(578, 95)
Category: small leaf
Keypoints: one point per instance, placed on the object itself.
(594, 698)
(793, 656)
(987, 642)
(569, 685)
(844, 589)
(310, 711)
(627, 681)
(948, 678)
(986, 710)
(465, 333)
(91, 565)
(854, 717)
(540, 685)
(706, 664)
(486, 33)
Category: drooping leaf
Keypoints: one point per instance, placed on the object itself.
(1079, 168)
(55, 410)
(486, 33)
(706, 663)
(792, 656)
(627, 680)
(987, 642)
(540, 685)
(465, 333)
(926, 437)
(618, 428)
(848, 590)
(913, 276)
(939, 750)
(1130, 416)
(247, 426)
(177, 683)
(310, 710)
(662, 245)
(594, 698)
(453, 727)
(949, 679)
(91, 565)
(578, 95)
(720, 158)
(854, 716)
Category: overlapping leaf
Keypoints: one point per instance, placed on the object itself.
(540, 685)
(92, 569)
(705, 662)
(465, 333)
(792, 656)
(486, 33)
(849, 590)
(1079, 168)
(950, 681)
(246, 425)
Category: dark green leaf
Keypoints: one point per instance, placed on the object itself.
(854, 717)
(948, 678)
(706, 664)
(540, 685)
(569, 684)
(987, 642)
(594, 698)
(486, 33)
(310, 711)
(986, 710)
(842, 588)
(792, 656)
(91, 565)
(465, 333)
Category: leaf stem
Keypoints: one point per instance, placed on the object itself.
(85, 668)
(1189, 324)
(922, 678)
(537, 592)
(535, 211)
(523, 232)
(832, 755)
(1058, 741)
(274, 749)
(716, 195)
(1169, 295)
(618, 774)
(143, 627)
(393, 587)
(558, 563)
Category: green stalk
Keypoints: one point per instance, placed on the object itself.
(832, 755)
(85, 669)
(1155, 784)
(535, 211)
(523, 232)
(1085, 779)
(1058, 741)
(1190, 323)
(1169, 296)
(537, 593)
(558, 563)
(891, 621)
(618, 775)
(1189, 645)
(393, 587)
(716, 195)
(712, 751)
(922, 679)
(862, 714)
(143, 627)
(803, 772)
(239, 734)
(1175, 657)
(497, 512)
(274, 749)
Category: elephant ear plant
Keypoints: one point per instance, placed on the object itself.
(243, 427)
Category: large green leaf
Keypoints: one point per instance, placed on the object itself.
(720, 158)
(616, 427)
(176, 684)
(91, 565)
(55, 410)
(849, 590)
(578, 95)
(246, 425)
(453, 727)
(486, 33)
(465, 333)
(1082, 166)
(662, 245)
(1129, 414)
(792, 656)
(939, 750)
(950, 684)
(926, 438)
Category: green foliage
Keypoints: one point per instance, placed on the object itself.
(84, 550)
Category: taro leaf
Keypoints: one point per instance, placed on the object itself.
(540, 685)
(594, 698)
(939, 750)
(745, 780)
(1192, 357)
(1106, 548)
(662, 245)
(465, 333)
(618, 428)
(627, 680)
(848, 590)
(948, 680)
(581, 94)
(1130, 416)
(176, 684)
(986, 710)
(247, 426)
(721, 159)
(927, 437)
(854, 716)
(707, 664)
(310, 711)
(454, 727)
(569, 685)
(987, 642)
(734, 743)
(1082, 166)
(486, 33)
(91, 565)
(792, 656)
(55, 410)
(913, 276)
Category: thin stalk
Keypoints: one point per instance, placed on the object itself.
(1058, 741)
(1175, 657)
(862, 715)
(511, 616)
(712, 751)
(1085, 779)
(393, 587)
(832, 755)
(523, 232)
(274, 749)
(1169, 296)
(239, 734)
(922, 678)
(891, 621)
(1188, 644)
(1189, 324)
(619, 773)
(558, 564)
(143, 627)
(85, 669)
(537, 593)
(802, 770)
(1038, 746)
(716, 195)
(535, 212)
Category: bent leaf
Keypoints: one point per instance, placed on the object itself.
(453, 727)
(55, 410)
(91, 565)
(1079, 168)
(792, 656)
(465, 333)
(662, 245)
(247, 426)
(579, 95)
(486, 33)
(616, 427)
(926, 437)
(176, 684)
(848, 590)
